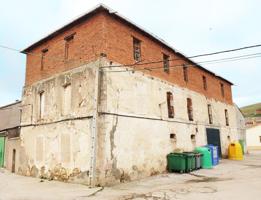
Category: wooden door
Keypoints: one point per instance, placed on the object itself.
(13, 161)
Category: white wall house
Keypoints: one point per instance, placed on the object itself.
(253, 138)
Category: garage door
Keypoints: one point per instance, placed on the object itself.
(213, 137)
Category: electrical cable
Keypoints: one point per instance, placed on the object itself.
(216, 61)
(154, 62)
(226, 51)
(196, 56)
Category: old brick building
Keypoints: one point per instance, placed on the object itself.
(99, 109)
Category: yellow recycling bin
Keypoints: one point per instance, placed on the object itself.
(235, 151)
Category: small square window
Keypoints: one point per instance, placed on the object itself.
(172, 136)
(193, 137)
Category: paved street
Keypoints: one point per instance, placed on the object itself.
(230, 180)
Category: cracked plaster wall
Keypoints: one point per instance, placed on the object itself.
(136, 136)
(57, 146)
(133, 130)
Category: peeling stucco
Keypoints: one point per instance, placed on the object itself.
(133, 126)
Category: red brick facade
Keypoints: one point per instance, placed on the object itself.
(106, 33)
(88, 42)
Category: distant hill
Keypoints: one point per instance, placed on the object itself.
(250, 111)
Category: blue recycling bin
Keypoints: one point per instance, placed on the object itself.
(214, 154)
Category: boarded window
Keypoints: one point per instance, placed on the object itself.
(185, 73)
(205, 85)
(166, 63)
(222, 89)
(210, 117)
(41, 105)
(226, 117)
(170, 105)
(136, 49)
(68, 46)
(67, 98)
(39, 148)
(43, 58)
(65, 148)
(190, 109)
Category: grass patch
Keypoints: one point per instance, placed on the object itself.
(250, 111)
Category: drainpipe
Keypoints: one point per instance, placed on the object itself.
(94, 128)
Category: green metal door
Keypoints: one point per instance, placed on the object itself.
(2, 151)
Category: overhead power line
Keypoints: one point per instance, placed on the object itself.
(234, 57)
(33, 54)
(9, 48)
(226, 51)
(208, 62)
(196, 56)
(140, 63)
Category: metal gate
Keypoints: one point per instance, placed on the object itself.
(2, 151)
(213, 137)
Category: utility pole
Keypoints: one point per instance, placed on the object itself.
(94, 128)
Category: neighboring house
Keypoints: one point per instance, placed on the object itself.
(9, 135)
(252, 121)
(90, 115)
(253, 137)
(258, 112)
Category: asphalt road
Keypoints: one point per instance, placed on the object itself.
(238, 180)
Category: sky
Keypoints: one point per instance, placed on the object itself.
(192, 27)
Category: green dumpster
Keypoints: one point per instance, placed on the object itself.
(198, 160)
(176, 162)
(242, 143)
(190, 161)
(206, 159)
